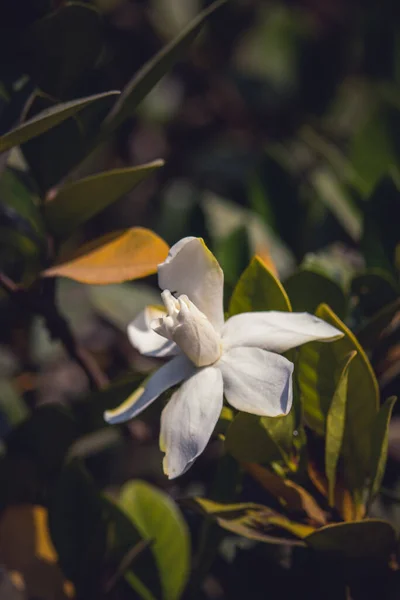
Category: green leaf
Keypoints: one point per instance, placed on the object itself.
(335, 424)
(307, 289)
(374, 289)
(149, 75)
(52, 155)
(372, 151)
(337, 199)
(371, 538)
(380, 233)
(78, 529)
(122, 537)
(22, 234)
(233, 254)
(77, 202)
(253, 521)
(64, 45)
(248, 441)
(380, 441)
(157, 518)
(258, 289)
(47, 119)
(318, 371)
(369, 333)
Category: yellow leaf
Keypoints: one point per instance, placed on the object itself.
(113, 258)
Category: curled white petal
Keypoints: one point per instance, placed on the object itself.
(190, 329)
(257, 381)
(276, 331)
(173, 372)
(191, 269)
(188, 420)
(145, 339)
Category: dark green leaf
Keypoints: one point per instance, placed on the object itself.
(307, 289)
(65, 43)
(155, 69)
(77, 202)
(78, 529)
(157, 518)
(248, 441)
(374, 289)
(47, 119)
(380, 440)
(370, 538)
(233, 254)
(335, 424)
(369, 333)
(52, 155)
(258, 289)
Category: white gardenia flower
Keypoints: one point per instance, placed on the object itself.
(238, 359)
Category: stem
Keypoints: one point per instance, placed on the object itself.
(41, 300)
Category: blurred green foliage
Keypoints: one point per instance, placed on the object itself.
(279, 127)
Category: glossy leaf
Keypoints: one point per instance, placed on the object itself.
(307, 289)
(157, 518)
(77, 202)
(46, 120)
(114, 258)
(371, 538)
(253, 521)
(380, 441)
(149, 75)
(335, 424)
(318, 381)
(258, 289)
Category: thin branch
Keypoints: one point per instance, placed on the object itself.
(41, 300)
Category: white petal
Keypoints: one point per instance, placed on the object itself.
(188, 420)
(173, 372)
(257, 381)
(145, 339)
(191, 269)
(276, 331)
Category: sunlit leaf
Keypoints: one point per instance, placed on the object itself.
(318, 377)
(292, 496)
(155, 69)
(307, 289)
(253, 521)
(157, 518)
(371, 538)
(380, 440)
(46, 120)
(335, 424)
(258, 289)
(77, 202)
(114, 258)
(343, 500)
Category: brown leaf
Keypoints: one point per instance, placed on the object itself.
(113, 258)
(294, 497)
